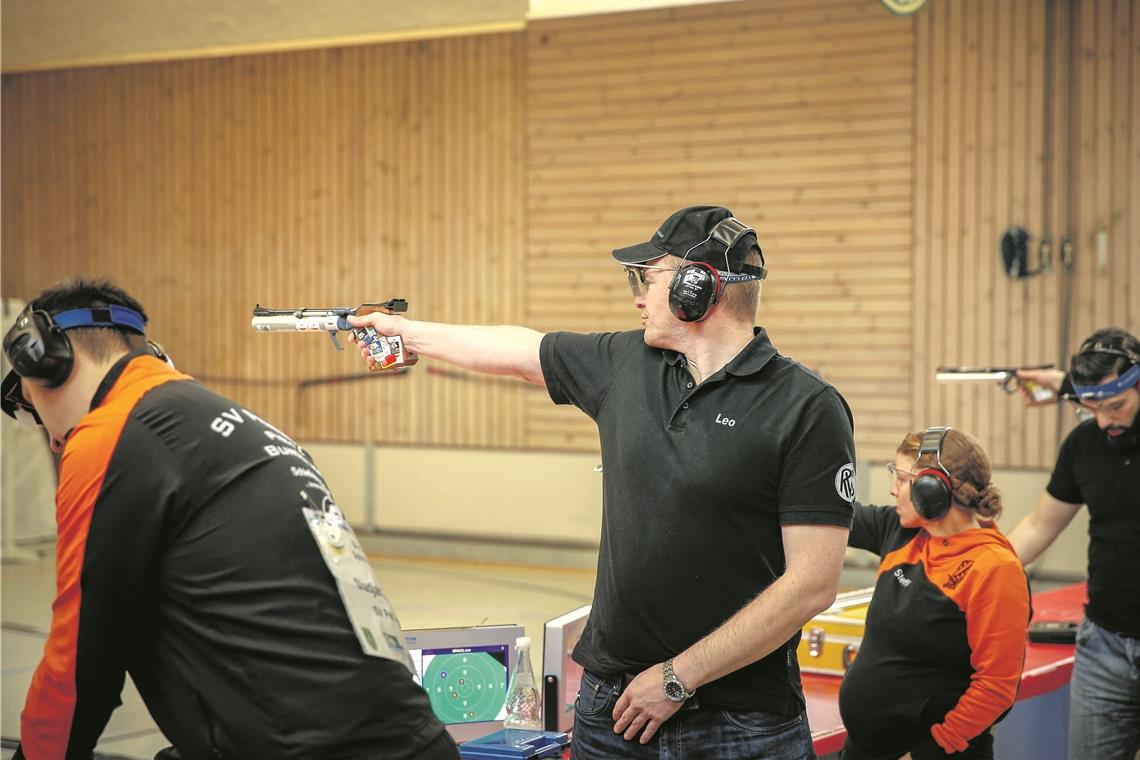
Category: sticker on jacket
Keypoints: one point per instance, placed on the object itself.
(371, 614)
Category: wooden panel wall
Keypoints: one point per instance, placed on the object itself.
(1026, 115)
(980, 167)
(315, 178)
(487, 178)
(1104, 219)
(796, 114)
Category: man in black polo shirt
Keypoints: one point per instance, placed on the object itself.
(728, 484)
(1099, 466)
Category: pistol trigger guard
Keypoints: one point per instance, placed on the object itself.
(336, 343)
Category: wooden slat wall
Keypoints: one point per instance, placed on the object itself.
(327, 177)
(980, 133)
(1007, 134)
(487, 178)
(796, 114)
(1106, 167)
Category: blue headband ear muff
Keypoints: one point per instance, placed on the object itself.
(1122, 383)
(39, 349)
(101, 316)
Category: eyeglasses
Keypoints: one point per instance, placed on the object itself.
(903, 476)
(635, 273)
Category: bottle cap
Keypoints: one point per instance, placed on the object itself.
(522, 642)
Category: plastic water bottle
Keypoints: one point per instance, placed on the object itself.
(524, 708)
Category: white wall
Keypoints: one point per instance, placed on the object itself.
(478, 492)
(545, 496)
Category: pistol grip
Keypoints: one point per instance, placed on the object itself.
(379, 349)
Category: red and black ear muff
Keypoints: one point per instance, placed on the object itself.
(693, 291)
(931, 491)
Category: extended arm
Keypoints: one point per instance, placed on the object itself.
(1040, 528)
(1050, 379)
(491, 349)
(814, 558)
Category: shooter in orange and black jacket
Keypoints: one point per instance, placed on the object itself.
(944, 646)
(188, 556)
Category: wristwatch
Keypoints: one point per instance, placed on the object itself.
(674, 689)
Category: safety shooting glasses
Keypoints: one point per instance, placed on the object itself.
(635, 273)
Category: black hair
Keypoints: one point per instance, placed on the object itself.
(99, 342)
(1092, 363)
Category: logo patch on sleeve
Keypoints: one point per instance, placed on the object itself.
(959, 573)
(845, 482)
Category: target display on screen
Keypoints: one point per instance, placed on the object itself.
(465, 672)
(466, 685)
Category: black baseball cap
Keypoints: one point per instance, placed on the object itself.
(698, 233)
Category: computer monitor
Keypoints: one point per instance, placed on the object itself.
(561, 676)
(465, 672)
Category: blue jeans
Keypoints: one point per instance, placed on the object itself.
(1104, 695)
(693, 733)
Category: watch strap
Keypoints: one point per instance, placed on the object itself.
(671, 677)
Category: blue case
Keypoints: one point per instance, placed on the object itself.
(515, 744)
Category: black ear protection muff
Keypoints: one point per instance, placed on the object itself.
(931, 491)
(38, 348)
(693, 291)
(697, 285)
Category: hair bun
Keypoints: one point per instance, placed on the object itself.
(985, 501)
(988, 501)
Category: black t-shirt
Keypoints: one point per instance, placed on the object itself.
(1090, 471)
(698, 480)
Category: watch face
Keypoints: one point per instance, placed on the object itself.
(675, 691)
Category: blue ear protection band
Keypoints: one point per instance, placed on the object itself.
(1094, 392)
(37, 344)
(101, 316)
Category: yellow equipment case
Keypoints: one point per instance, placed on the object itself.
(831, 639)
